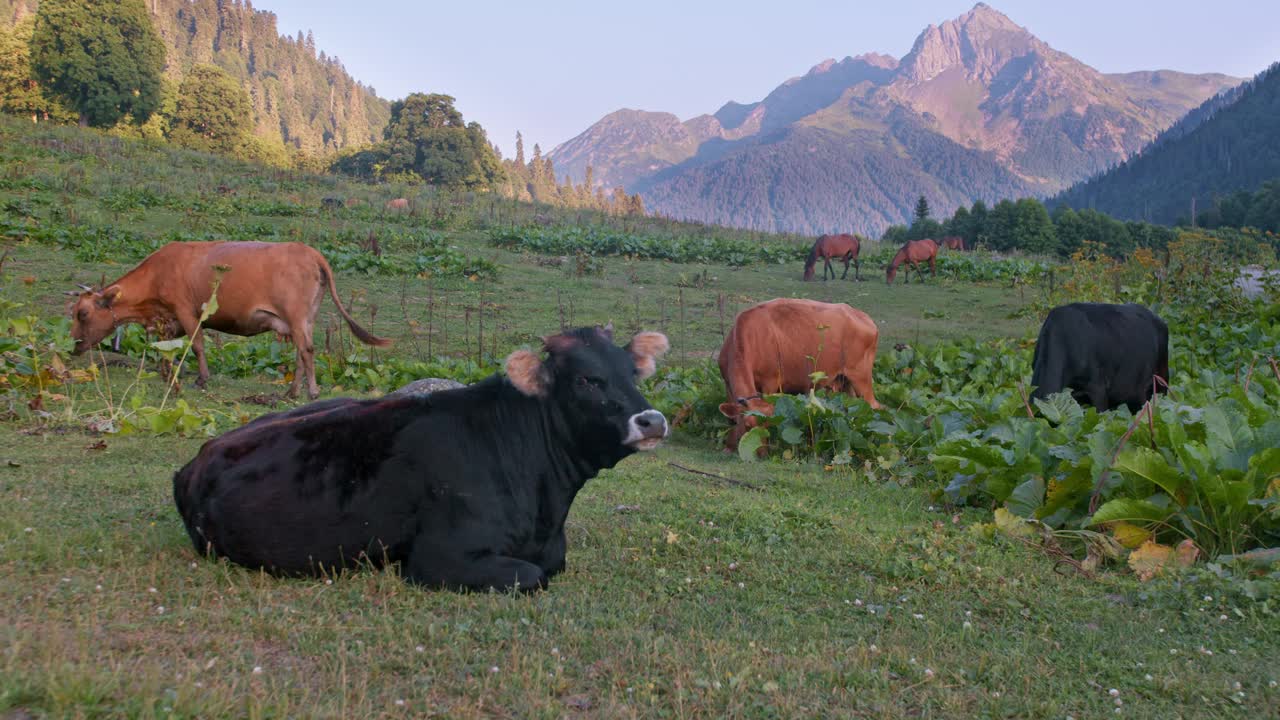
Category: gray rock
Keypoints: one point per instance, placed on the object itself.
(1253, 280)
(426, 386)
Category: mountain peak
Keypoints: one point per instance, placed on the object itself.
(980, 42)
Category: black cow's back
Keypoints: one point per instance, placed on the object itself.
(1105, 354)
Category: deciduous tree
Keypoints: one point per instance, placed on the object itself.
(103, 58)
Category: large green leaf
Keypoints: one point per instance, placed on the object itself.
(1059, 408)
(1150, 465)
(1130, 510)
(1263, 468)
(1228, 436)
(1027, 497)
(751, 442)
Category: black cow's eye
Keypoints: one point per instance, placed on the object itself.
(584, 381)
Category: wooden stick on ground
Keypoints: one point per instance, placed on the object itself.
(721, 478)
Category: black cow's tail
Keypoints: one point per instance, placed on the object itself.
(1162, 356)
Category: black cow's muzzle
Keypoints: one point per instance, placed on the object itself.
(646, 430)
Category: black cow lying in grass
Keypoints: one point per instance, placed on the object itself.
(465, 489)
(1106, 355)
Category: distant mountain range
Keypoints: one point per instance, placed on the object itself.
(979, 109)
(1228, 144)
(300, 95)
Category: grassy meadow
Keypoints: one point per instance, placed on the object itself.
(775, 589)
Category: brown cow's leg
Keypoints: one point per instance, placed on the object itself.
(191, 326)
(307, 360)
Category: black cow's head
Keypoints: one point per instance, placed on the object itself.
(593, 382)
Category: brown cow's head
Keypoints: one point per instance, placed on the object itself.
(93, 317)
(739, 413)
(890, 274)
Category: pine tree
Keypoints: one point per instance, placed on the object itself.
(922, 209)
(519, 149)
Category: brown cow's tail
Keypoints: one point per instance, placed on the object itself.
(363, 335)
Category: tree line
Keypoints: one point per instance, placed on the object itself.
(1026, 225)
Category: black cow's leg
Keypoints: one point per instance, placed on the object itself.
(552, 560)
(429, 565)
(1097, 396)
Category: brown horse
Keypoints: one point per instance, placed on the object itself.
(952, 242)
(834, 246)
(913, 253)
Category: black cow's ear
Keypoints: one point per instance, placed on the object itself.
(645, 349)
(526, 372)
(607, 331)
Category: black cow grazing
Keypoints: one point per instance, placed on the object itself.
(1105, 354)
(465, 488)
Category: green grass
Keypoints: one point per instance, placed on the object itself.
(684, 596)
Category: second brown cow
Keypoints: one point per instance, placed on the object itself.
(266, 287)
(774, 347)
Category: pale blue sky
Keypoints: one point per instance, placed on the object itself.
(550, 68)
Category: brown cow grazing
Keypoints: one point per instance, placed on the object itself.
(952, 242)
(914, 252)
(268, 287)
(768, 348)
(397, 204)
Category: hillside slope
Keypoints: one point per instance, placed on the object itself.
(300, 95)
(1230, 143)
(1007, 114)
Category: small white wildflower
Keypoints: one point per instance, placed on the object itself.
(193, 566)
(1222, 617)
(995, 693)
(741, 585)
(555, 651)
(399, 703)
(97, 587)
(918, 616)
(1160, 630)
(1240, 695)
(1231, 652)
(1113, 692)
(968, 613)
(1236, 685)
(873, 648)
(968, 625)
(493, 669)
(871, 610)
(928, 673)
(716, 684)
(159, 609)
(65, 580)
(328, 581)
(257, 669)
(28, 529)
(733, 566)
(1173, 651)
(1148, 677)
(151, 590)
(420, 648)
(1117, 711)
(913, 661)
(1271, 684)
(858, 602)
(1119, 702)
(1208, 598)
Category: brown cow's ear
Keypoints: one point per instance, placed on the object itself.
(109, 296)
(646, 348)
(527, 374)
(730, 410)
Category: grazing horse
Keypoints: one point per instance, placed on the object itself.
(845, 247)
(952, 242)
(913, 253)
